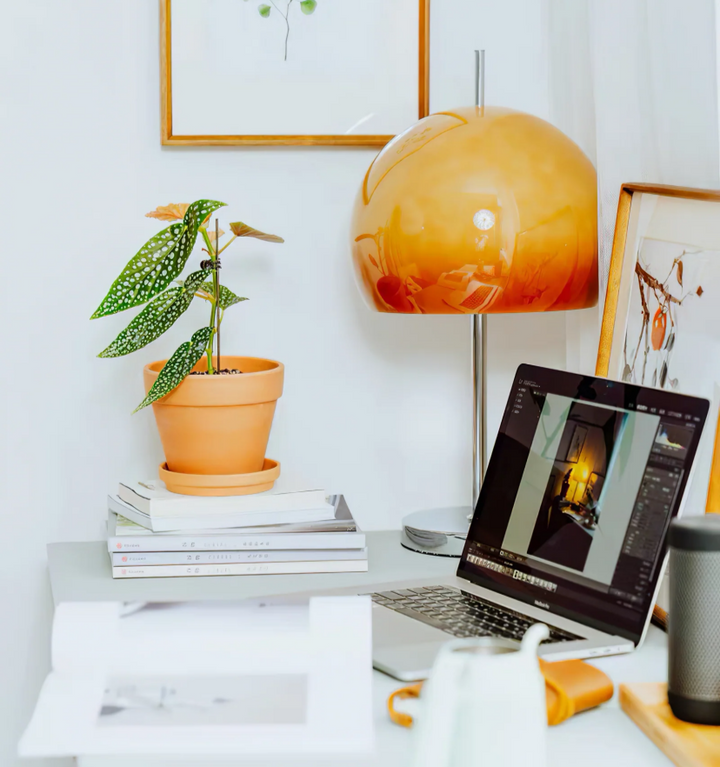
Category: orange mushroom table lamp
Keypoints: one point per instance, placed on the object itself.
(478, 210)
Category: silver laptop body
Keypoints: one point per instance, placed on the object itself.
(600, 605)
(405, 647)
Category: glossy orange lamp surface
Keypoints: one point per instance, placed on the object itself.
(477, 210)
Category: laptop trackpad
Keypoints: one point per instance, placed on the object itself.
(391, 629)
(403, 647)
(408, 663)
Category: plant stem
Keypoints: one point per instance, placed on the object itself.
(654, 284)
(216, 285)
(287, 23)
(229, 242)
(646, 319)
(213, 256)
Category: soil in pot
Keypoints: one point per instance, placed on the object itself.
(223, 372)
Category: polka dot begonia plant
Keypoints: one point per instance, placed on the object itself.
(146, 279)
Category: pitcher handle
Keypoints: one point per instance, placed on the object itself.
(533, 637)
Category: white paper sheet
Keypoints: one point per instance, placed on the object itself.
(257, 677)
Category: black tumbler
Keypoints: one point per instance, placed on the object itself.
(694, 619)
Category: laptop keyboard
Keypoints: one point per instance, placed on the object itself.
(461, 614)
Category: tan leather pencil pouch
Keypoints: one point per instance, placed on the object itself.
(571, 686)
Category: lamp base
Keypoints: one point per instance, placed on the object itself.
(441, 532)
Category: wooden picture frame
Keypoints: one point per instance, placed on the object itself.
(685, 209)
(591, 485)
(170, 138)
(618, 255)
(576, 444)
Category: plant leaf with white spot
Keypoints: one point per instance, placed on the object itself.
(227, 297)
(178, 367)
(157, 263)
(157, 317)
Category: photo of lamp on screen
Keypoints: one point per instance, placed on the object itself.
(580, 483)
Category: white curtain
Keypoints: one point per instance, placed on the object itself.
(633, 82)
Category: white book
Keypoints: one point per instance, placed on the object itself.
(339, 533)
(203, 680)
(219, 521)
(341, 521)
(152, 558)
(155, 500)
(241, 568)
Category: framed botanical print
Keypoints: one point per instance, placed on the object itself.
(325, 72)
(661, 322)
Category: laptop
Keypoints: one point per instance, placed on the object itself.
(569, 529)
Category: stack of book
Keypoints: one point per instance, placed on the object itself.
(153, 533)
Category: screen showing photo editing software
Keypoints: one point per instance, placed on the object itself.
(584, 479)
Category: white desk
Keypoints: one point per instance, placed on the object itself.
(603, 737)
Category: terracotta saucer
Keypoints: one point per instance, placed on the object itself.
(221, 484)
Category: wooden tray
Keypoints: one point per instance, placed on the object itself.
(688, 745)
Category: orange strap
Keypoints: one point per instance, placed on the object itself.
(571, 686)
(398, 717)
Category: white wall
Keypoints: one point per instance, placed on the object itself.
(375, 406)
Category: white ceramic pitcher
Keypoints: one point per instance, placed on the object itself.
(484, 705)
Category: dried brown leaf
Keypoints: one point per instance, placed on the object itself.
(699, 291)
(175, 211)
(172, 212)
(243, 230)
(679, 273)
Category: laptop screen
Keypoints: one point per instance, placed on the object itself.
(583, 481)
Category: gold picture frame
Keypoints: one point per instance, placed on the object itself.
(168, 138)
(618, 294)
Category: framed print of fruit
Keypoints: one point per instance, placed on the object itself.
(661, 322)
(327, 72)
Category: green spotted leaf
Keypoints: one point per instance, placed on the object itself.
(227, 297)
(157, 263)
(308, 6)
(178, 367)
(264, 11)
(157, 317)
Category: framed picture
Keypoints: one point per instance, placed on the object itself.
(576, 444)
(661, 321)
(324, 72)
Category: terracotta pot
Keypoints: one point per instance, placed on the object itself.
(221, 484)
(218, 424)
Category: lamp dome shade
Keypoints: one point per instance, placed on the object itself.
(477, 210)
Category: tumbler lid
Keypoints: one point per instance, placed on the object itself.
(701, 533)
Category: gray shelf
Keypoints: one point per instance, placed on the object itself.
(80, 572)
